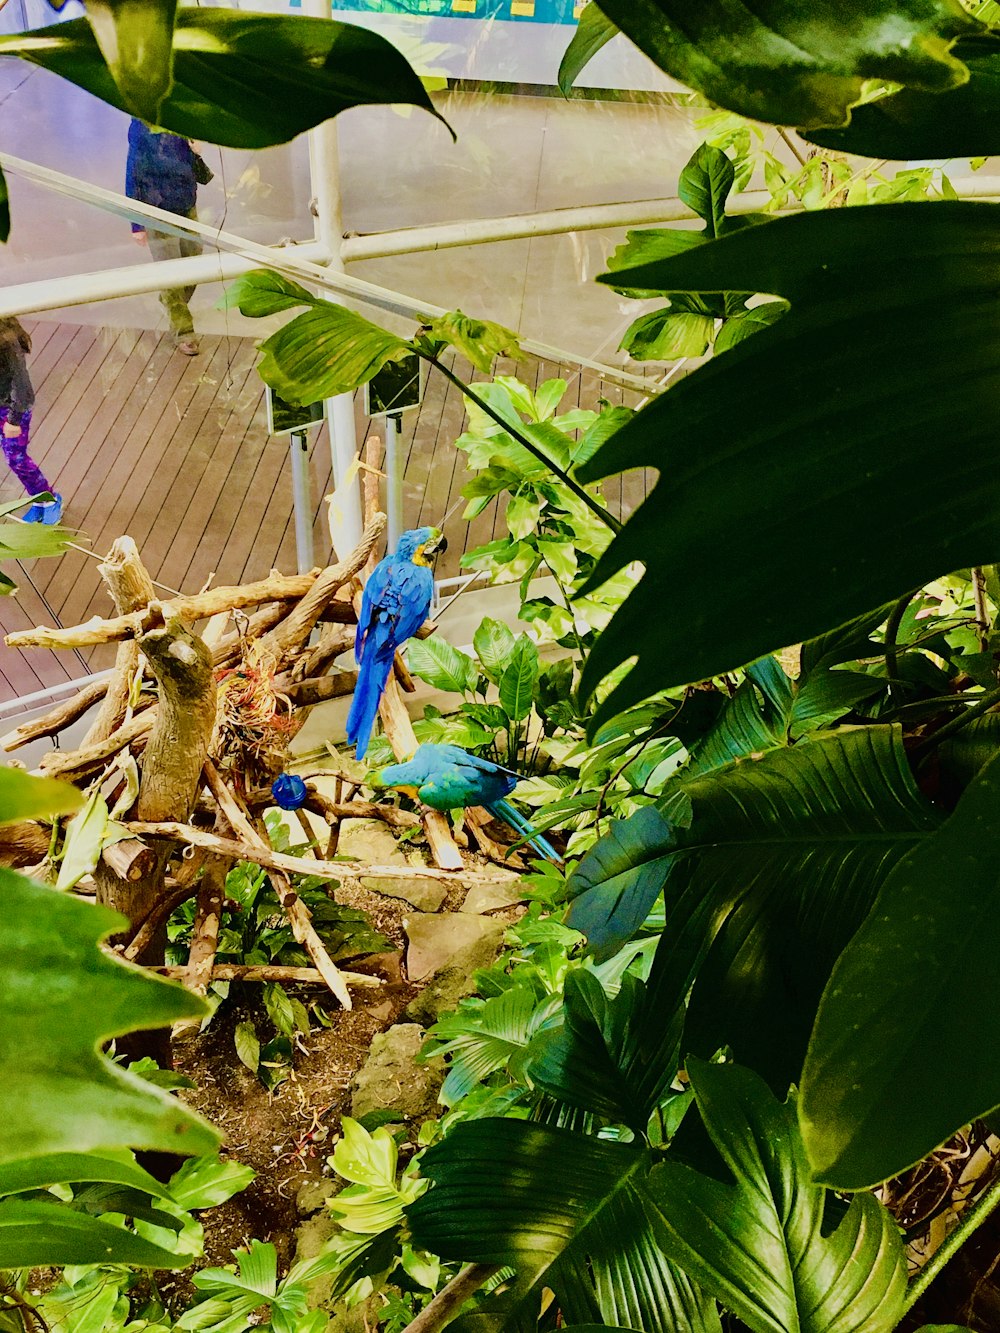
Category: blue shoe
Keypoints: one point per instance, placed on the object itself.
(49, 512)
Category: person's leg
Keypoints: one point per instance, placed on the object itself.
(20, 462)
(189, 246)
(174, 299)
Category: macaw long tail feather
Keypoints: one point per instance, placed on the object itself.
(372, 677)
(505, 811)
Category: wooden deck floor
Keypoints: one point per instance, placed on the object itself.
(174, 451)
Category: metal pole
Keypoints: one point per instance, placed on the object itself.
(324, 174)
(393, 481)
(298, 443)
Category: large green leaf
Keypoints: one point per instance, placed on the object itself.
(441, 665)
(593, 31)
(776, 865)
(960, 122)
(23, 796)
(517, 683)
(792, 62)
(758, 1244)
(326, 351)
(60, 997)
(896, 1063)
(32, 1173)
(840, 477)
(263, 292)
(615, 885)
(34, 1234)
(136, 40)
(494, 1034)
(243, 80)
(567, 1211)
(616, 1057)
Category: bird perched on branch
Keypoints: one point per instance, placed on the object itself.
(394, 604)
(446, 777)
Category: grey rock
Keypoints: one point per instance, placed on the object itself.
(491, 897)
(391, 1080)
(440, 942)
(313, 1194)
(424, 894)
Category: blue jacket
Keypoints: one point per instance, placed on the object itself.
(160, 171)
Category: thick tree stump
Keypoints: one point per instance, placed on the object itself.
(131, 588)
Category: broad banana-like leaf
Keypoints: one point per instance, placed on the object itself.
(960, 122)
(797, 62)
(616, 1057)
(243, 80)
(326, 351)
(758, 1244)
(136, 40)
(34, 1173)
(895, 1044)
(35, 1234)
(567, 1211)
(480, 1041)
(780, 862)
(23, 796)
(839, 477)
(60, 997)
(593, 32)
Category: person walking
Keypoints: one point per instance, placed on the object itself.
(17, 397)
(164, 170)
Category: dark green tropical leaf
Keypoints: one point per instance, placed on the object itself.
(615, 885)
(493, 1036)
(136, 40)
(243, 80)
(593, 31)
(567, 1211)
(326, 351)
(744, 324)
(668, 335)
(716, 531)
(758, 1244)
(478, 340)
(846, 643)
(704, 185)
(614, 1056)
(611, 419)
(796, 64)
(60, 998)
(897, 1008)
(959, 122)
(23, 796)
(32, 1173)
(827, 696)
(37, 1234)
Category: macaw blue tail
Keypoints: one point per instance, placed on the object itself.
(505, 811)
(372, 676)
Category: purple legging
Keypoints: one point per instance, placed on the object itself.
(20, 462)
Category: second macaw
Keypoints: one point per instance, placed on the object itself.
(446, 777)
(394, 604)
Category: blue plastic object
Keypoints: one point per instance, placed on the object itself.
(289, 792)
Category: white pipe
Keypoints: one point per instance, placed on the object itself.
(33, 702)
(393, 482)
(595, 217)
(138, 279)
(289, 263)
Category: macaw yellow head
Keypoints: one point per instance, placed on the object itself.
(421, 545)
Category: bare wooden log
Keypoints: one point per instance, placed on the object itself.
(229, 646)
(131, 588)
(331, 810)
(143, 937)
(242, 850)
(74, 764)
(333, 641)
(57, 718)
(402, 674)
(370, 478)
(271, 972)
(296, 627)
(299, 916)
(477, 820)
(23, 844)
(304, 693)
(207, 919)
(130, 859)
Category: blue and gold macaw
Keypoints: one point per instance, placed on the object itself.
(446, 777)
(394, 604)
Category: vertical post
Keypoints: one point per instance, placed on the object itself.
(324, 172)
(302, 500)
(393, 482)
